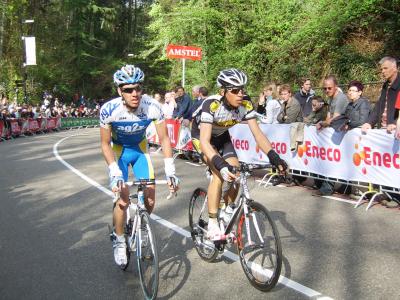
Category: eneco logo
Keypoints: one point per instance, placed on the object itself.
(280, 148)
(323, 153)
(373, 158)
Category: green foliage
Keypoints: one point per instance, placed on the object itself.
(80, 43)
(280, 40)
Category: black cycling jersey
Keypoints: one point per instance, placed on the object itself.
(214, 111)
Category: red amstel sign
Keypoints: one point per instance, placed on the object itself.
(187, 52)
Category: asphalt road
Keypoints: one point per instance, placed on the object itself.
(54, 238)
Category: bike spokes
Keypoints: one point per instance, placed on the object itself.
(259, 248)
(198, 221)
(147, 257)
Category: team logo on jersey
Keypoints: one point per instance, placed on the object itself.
(247, 104)
(108, 109)
(214, 106)
(135, 127)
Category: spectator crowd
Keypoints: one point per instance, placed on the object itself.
(341, 109)
(50, 107)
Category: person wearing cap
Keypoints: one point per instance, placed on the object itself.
(319, 111)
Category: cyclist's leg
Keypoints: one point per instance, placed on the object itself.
(229, 154)
(143, 169)
(213, 193)
(121, 204)
(215, 186)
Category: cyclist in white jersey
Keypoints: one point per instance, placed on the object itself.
(123, 123)
(211, 139)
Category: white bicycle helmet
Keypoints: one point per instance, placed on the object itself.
(129, 74)
(231, 78)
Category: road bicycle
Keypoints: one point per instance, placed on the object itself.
(140, 240)
(256, 236)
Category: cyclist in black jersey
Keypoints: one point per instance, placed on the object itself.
(211, 138)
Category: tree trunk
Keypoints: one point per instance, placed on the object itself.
(2, 17)
(129, 31)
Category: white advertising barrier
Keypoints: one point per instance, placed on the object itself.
(184, 138)
(372, 158)
(151, 134)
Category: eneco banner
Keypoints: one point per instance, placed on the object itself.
(374, 157)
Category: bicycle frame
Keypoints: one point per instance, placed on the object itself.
(244, 200)
(136, 220)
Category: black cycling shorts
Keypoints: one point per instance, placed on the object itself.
(222, 143)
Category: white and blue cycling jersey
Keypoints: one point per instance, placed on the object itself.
(128, 133)
(129, 128)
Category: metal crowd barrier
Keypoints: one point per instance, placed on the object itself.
(23, 127)
(372, 190)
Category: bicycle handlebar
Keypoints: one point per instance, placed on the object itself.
(144, 182)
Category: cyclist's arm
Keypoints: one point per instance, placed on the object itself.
(105, 140)
(259, 136)
(205, 137)
(162, 133)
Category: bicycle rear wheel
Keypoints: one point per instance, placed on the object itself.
(259, 247)
(198, 222)
(147, 257)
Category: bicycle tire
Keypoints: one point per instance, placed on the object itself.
(198, 220)
(261, 262)
(147, 257)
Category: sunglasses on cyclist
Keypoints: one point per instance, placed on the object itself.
(236, 90)
(137, 88)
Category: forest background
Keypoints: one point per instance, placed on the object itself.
(81, 43)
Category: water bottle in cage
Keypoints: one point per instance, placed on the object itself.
(140, 196)
(229, 212)
(221, 210)
(132, 210)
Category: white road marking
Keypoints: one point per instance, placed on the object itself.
(282, 280)
(193, 164)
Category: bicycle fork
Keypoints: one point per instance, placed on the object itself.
(245, 189)
(247, 224)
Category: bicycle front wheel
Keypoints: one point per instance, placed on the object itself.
(198, 222)
(147, 257)
(259, 247)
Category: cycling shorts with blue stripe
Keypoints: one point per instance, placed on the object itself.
(137, 157)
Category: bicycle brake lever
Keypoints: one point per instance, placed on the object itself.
(118, 194)
(173, 183)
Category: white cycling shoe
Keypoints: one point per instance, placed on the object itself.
(214, 233)
(119, 247)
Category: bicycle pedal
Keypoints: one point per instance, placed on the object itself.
(112, 237)
(220, 246)
(219, 238)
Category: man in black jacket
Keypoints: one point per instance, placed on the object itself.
(304, 96)
(183, 103)
(383, 114)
